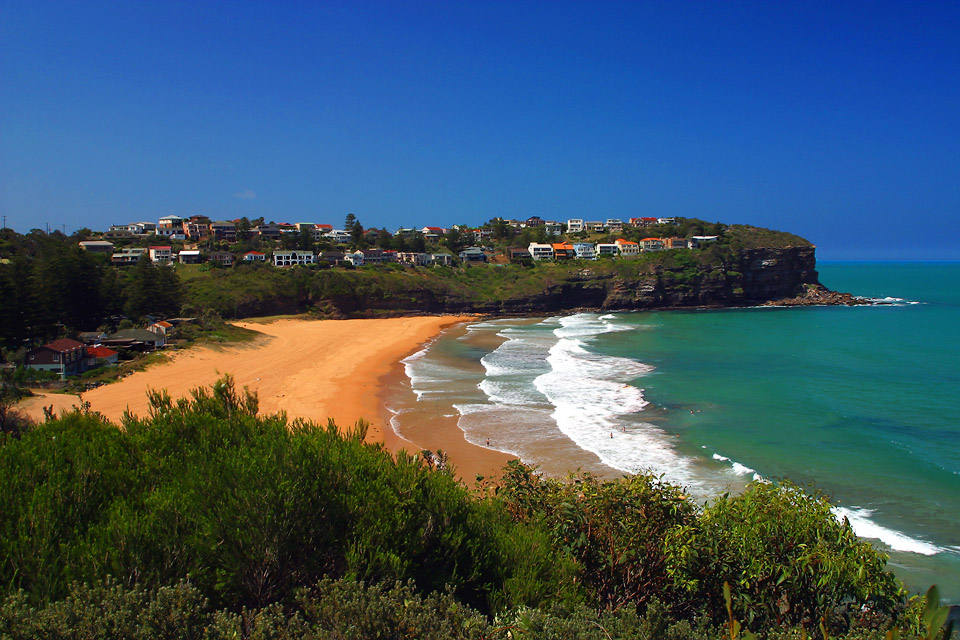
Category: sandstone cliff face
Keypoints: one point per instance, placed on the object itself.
(753, 277)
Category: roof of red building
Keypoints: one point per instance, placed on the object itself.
(64, 344)
(657, 239)
(254, 253)
(161, 247)
(622, 241)
(324, 226)
(100, 352)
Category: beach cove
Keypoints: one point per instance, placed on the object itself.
(311, 369)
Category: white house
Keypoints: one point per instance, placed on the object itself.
(254, 256)
(339, 236)
(290, 258)
(593, 225)
(697, 241)
(444, 259)
(539, 251)
(162, 254)
(355, 258)
(607, 249)
(666, 221)
(473, 254)
(552, 228)
(585, 250)
(613, 224)
(575, 225)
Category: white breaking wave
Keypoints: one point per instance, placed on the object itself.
(592, 400)
(739, 469)
(864, 527)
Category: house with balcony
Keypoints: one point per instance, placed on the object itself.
(607, 249)
(190, 256)
(96, 246)
(473, 254)
(594, 226)
(540, 251)
(356, 258)
(224, 230)
(575, 225)
(339, 236)
(652, 244)
(563, 251)
(698, 241)
(676, 243)
(585, 250)
(127, 256)
(627, 248)
(161, 254)
(254, 256)
(293, 258)
(613, 225)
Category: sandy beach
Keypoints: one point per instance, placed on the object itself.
(312, 369)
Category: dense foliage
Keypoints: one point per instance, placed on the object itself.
(207, 520)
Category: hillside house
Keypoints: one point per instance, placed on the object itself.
(563, 251)
(161, 254)
(333, 258)
(190, 256)
(676, 243)
(127, 256)
(533, 221)
(224, 230)
(65, 356)
(356, 258)
(652, 244)
(585, 250)
(516, 255)
(594, 226)
(607, 249)
(666, 221)
(254, 256)
(96, 246)
(698, 241)
(540, 251)
(613, 224)
(627, 248)
(197, 227)
(575, 225)
(473, 254)
(267, 231)
(224, 258)
(339, 236)
(293, 258)
(443, 259)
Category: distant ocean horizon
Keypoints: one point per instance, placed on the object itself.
(861, 403)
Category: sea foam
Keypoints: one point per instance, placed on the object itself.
(865, 527)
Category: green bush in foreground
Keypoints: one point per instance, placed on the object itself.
(205, 520)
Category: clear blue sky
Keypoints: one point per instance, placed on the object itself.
(835, 120)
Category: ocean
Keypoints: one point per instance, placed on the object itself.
(862, 403)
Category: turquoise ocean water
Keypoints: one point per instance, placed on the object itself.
(860, 402)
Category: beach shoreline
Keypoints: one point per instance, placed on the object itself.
(313, 370)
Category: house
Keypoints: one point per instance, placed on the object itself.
(222, 257)
(190, 256)
(355, 258)
(91, 338)
(473, 254)
(96, 246)
(698, 241)
(413, 258)
(607, 249)
(117, 234)
(224, 230)
(627, 248)
(143, 228)
(517, 255)
(388, 256)
(161, 254)
(443, 259)
(339, 236)
(613, 224)
(169, 226)
(533, 221)
(267, 231)
(594, 226)
(292, 258)
(585, 250)
(563, 251)
(371, 256)
(333, 258)
(652, 244)
(136, 339)
(65, 356)
(432, 233)
(254, 256)
(540, 251)
(575, 225)
(127, 256)
(161, 327)
(666, 221)
(101, 355)
(197, 227)
(552, 228)
(676, 243)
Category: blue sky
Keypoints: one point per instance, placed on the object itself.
(839, 121)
